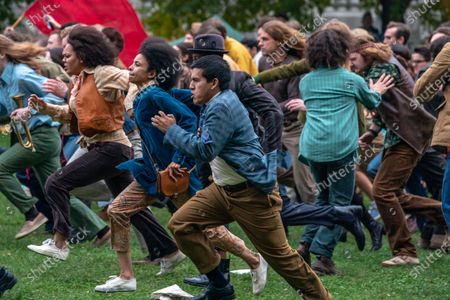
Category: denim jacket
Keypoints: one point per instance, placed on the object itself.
(156, 155)
(21, 79)
(226, 131)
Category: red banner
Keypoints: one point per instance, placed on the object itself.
(118, 14)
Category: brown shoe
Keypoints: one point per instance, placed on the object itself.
(401, 260)
(424, 244)
(106, 239)
(440, 241)
(325, 266)
(303, 250)
(31, 226)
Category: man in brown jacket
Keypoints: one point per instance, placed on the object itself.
(435, 78)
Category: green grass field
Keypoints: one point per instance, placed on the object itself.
(363, 277)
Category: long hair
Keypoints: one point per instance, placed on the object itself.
(291, 38)
(377, 51)
(21, 53)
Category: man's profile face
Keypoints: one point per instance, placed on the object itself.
(389, 36)
(202, 90)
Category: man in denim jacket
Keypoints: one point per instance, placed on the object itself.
(244, 188)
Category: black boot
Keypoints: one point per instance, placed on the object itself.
(213, 293)
(376, 229)
(219, 288)
(225, 268)
(202, 281)
(349, 218)
(7, 281)
(303, 250)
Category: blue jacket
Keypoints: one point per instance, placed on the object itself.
(20, 78)
(147, 104)
(226, 131)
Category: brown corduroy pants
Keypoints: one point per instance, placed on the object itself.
(258, 214)
(392, 202)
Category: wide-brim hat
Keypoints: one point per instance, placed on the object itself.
(209, 43)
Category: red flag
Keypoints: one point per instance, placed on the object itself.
(118, 14)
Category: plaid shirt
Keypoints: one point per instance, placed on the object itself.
(225, 130)
(375, 73)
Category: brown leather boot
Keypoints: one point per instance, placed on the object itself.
(303, 250)
(325, 266)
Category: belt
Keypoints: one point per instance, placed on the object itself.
(237, 187)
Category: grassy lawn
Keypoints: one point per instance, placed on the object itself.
(364, 278)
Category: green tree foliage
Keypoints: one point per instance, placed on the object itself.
(10, 10)
(171, 18)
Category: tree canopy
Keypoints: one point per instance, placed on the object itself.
(172, 18)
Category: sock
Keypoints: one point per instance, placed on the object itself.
(102, 232)
(216, 278)
(31, 214)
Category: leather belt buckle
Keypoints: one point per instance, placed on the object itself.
(236, 187)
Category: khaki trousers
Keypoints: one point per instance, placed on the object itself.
(258, 214)
(304, 181)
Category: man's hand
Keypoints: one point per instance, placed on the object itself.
(163, 121)
(175, 170)
(36, 103)
(21, 115)
(296, 105)
(56, 87)
(366, 139)
(384, 83)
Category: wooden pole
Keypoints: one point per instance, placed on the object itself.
(17, 22)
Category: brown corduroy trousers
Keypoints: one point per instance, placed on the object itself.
(258, 214)
(392, 202)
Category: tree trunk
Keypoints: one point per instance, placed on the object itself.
(393, 10)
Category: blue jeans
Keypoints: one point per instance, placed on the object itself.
(446, 193)
(335, 183)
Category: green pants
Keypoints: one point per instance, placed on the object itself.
(84, 219)
(44, 162)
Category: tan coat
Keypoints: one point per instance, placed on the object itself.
(426, 87)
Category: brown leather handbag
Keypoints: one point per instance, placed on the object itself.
(167, 186)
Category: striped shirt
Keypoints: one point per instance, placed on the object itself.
(331, 129)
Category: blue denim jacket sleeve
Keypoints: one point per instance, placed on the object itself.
(216, 127)
(21, 79)
(31, 83)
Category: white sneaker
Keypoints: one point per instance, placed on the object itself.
(259, 276)
(168, 264)
(49, 248)
(117, 284)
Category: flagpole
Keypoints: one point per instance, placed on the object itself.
(17, 21)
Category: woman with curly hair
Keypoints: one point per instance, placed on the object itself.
(329, 139)
(155, 71)
(95, 109)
